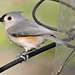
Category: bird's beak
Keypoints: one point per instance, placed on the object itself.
(1, 20)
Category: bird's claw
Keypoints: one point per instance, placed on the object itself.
(23, 55)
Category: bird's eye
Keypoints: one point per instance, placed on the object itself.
(9, 18)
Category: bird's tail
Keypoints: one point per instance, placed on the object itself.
(58, 41)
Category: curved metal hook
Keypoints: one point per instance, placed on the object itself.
(37, 21)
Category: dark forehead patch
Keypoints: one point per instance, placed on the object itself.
(3, 16)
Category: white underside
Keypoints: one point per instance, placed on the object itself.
(23, 42)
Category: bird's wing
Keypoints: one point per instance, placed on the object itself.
(28, 28)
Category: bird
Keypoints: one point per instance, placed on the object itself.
(26, 33)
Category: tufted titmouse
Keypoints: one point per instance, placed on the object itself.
(26, 33)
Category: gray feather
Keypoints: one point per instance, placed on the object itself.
(54, 39)
(58, 41)
(15, 12)
(27, 28)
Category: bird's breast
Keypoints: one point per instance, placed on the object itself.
(29, 41)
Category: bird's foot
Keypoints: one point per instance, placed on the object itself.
(23, 55)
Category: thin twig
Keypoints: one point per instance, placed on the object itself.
(66, 61)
